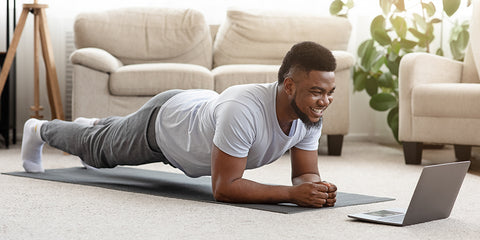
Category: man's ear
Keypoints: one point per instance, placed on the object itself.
(289, 86)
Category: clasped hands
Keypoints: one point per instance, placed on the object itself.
(315, 194)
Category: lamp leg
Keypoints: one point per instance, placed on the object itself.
(12, 49)
(36, 91)
(52, 81)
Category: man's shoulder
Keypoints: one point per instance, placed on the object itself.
(249, 92)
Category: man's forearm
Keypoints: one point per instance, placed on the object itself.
(247, 191)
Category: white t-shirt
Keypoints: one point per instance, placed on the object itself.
(241, 121)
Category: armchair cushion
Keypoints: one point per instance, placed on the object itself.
(151, 78)
(96, 58)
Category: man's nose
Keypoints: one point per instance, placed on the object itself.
(324, 100)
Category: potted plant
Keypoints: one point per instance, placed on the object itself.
(397, 31)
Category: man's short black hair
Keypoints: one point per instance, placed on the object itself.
(307, 56)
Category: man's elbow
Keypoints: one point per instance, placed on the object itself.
(221, 195)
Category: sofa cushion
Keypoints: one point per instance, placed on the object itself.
(229, 75)
(261, 37)
(142, 35)
(448, 100)
(152, 78)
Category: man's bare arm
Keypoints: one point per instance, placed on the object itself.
(305, 169)
(228, 185)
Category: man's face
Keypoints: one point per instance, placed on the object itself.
(312, 95)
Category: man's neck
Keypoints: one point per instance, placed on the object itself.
(282, 108)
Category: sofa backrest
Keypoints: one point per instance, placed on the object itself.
(260, 37)
(144, 35)
(471, 69)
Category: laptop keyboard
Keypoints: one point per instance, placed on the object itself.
(384, 213)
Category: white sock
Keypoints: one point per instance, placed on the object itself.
(86, 121)
(32, 145)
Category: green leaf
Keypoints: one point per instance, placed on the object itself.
(386, 80)
(416, 33)
(378, 24)
(364, 47)
(367, 53)
(335, 7)
(430, 8)
(393, 120)
(386, 6)
(378, 62)
(407, 44)
(436, 20)
(400, 26)
(383, 101)
(456, 51)
(420, 21)
(392, 117)
(439, 52)
(395, 47)
(381, 37)
(350, 4)
(462, 39)
(371, 86)
(359, 79)
(393, 66)
(391, 54)
(451, 6)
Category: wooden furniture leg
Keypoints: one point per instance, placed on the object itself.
(36, 108)
(412, 152)
(12, 49)
(52, 81)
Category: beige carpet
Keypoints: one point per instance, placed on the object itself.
(35, 209)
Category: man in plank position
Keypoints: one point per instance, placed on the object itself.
(203, 133)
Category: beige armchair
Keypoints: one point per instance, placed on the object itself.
(440, 99)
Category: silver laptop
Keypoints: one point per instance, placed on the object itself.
(432, 199)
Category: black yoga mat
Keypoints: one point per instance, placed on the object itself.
(171, 185)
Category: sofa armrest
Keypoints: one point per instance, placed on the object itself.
(344, 59)
(97, 59)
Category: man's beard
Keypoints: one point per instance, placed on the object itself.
(309, 124)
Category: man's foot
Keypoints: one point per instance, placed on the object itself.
(32, 145)
(86, 121)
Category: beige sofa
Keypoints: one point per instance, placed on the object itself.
(126, 56)
(440, 99)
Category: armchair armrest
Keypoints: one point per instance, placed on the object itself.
(421, 68)
(96, 58)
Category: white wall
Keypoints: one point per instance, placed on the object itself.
(61, 13)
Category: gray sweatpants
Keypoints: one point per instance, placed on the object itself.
(128, 140)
